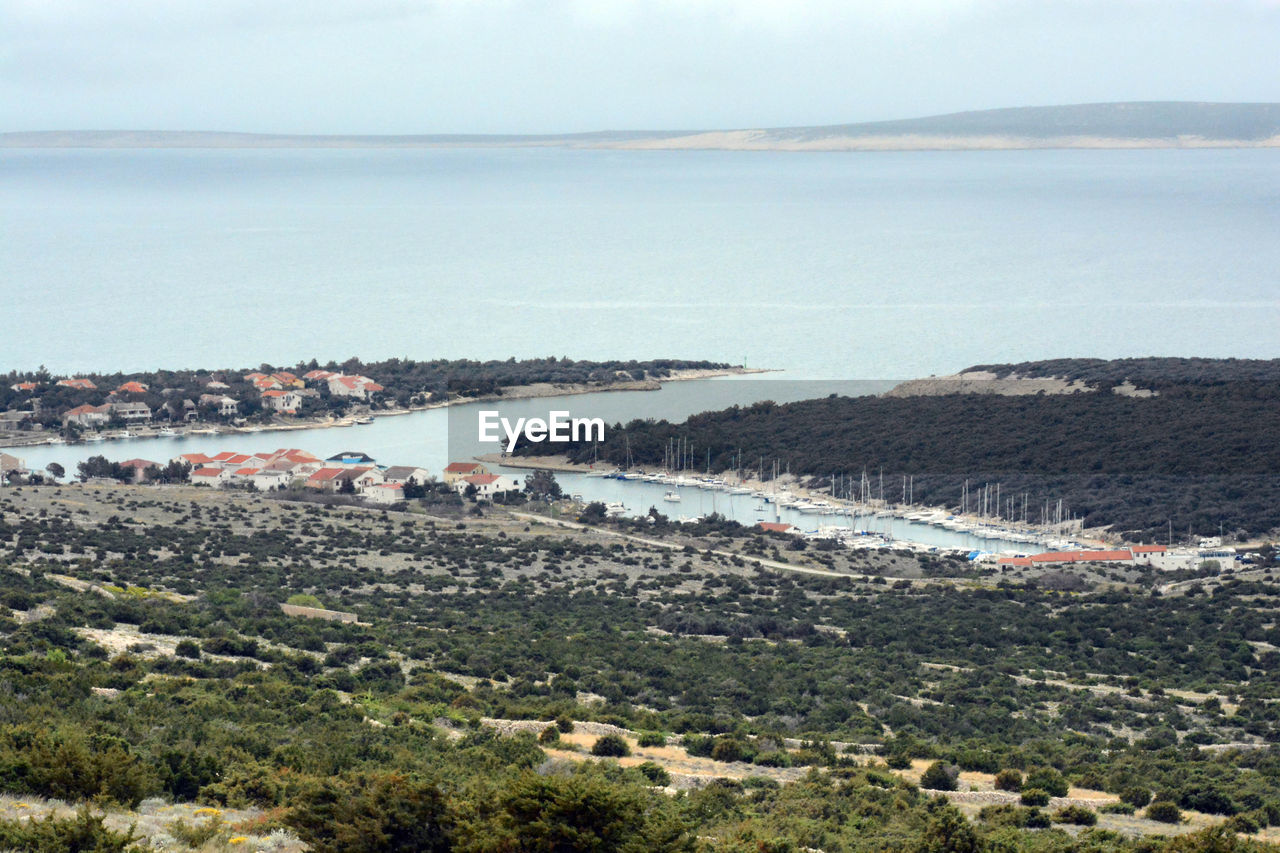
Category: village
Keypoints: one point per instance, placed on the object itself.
(221, 399)
(351, 473)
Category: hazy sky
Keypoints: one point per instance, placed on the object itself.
(492, 66)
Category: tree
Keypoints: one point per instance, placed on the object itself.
(413, 489)
(593, 513)
(348, 486)
(55, 470)
(541, 485)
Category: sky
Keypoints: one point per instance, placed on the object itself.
(550, 66)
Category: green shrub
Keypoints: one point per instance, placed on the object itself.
(1118, 808)
(939, 777)
(84, 833)
(1047, 779)
(1035, 797)
(655, 773)
(1246, 824)
(731, 749)
(610, 746)
(651, 739)
(65, 764)
(1136, 796)
(1078, 815)
(187, 649)
(1164, 811)
(383, 813)
(549, 735)
(1009, 780)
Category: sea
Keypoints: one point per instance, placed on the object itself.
(848, 267)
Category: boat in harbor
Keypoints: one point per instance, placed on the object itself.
(364, 420)
(672, 497)
(167, 433)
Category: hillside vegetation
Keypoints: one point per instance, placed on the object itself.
(501, 671)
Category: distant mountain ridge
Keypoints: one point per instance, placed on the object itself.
(1150, 124)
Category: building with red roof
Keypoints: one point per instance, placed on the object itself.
(455, 471)
(777, 527)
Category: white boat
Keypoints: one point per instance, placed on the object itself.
(95, 438)
(167, 432)
(364, 420)
(672, 497)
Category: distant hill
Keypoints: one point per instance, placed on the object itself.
(1156, 124)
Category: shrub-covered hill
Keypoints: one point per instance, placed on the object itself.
(1154, 373)
(145, 655)
(1200, 456)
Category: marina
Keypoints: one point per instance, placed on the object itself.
(691, 498)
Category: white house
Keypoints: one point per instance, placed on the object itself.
(131, 413)
(87, 416)
(487, 485)
(210, 476)
(384, 493)
(402, 474)
(359, 387)
(281, 401)
(225, 406)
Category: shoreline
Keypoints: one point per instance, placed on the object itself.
(514, 392)
(976, 525)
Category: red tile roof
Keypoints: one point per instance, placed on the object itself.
(1080, 556)
(273, 393)
(481, 479)
(195, 458)
(245, 472)
(462, 467)
(776, 527)
(1148, 549)
(88, 410)
(133, 388)
(140, 463)
(78, 383)
(207, 472)
(325, 474)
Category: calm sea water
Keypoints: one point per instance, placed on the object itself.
(826, 265)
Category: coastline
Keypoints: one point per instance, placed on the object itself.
(514, 392)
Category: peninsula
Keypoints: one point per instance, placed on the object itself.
(1147, 124)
